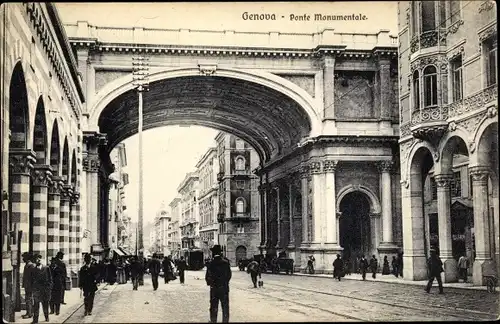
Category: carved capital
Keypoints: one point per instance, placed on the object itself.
(443, 180)
(385, 166)
(75, 198)
(21, 161)
(55, 185)
(479, 174)
(93, 140)
(91, 163)
(41, 175)
(329, 165)
(315, 167)
(492, 112)
(304, 171)
(452, 126)
(66, 192)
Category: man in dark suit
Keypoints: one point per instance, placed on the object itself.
(88, 277)
(154, 270)
(28, 290)
(41, 282)
(181, 267)
(217, 277)
(62, 265)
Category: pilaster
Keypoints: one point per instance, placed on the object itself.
(387, 245)
(40, 176)
(53, 215)
(328, 86)
(66, 193)
(317, 179)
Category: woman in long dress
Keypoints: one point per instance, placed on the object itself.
(385, 268)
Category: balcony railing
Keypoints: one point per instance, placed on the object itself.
(241, 216)
(476, 101)
(428, 39)
(429, 123)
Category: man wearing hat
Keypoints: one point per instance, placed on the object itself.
(41, 282)
(62, 265)
(434, 268)
(217, 277)
(28, 289)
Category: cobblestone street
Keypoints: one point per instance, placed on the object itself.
(288, 299)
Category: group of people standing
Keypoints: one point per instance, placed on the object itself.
(43, 285)
(342, 267)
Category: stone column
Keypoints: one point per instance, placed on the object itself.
(41, 177)
(53, 215)
(278, 216)
(291, 236)
(263, 208)
(74, 222)
(318, 194)
(330, 238)
(483, 264)
(444, 223)
(21, 163)
(304, 187)
(66, 194)
(387, 245)
(328, 86)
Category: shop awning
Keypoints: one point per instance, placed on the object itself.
(119, 252)
(124, 252)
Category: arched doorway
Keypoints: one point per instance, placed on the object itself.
(241, 253)
(354, 226)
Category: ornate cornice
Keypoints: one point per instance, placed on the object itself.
(329, 166)
(21, 161)
(62, 64)
(443, 180)
(41, 175)
(490, 31)
(486, 6)
(95, 139)
(439, 60)
(304, 171)
(460, 50)
(454, 27)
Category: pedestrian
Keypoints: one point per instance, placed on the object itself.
(168, 269)
(385, 268)
(253, 268)
(127, 270)
(310, 264)
(181, 267)
(400, 264)
(120, 271)
(41, 282)
(434, 269)
(395, 270)
(463, 264)
(62, 264)
(154, 269)
(338, 267)
(374, 266)
(348, 266)
(28, 289)
(217, 277)
(58, 282)
(363, 265)
(135, 272)
(89, 277)
(111, 272)
(356, 264)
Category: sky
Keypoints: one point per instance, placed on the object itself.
(171, 152)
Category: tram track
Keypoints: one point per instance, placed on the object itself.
(485, 315)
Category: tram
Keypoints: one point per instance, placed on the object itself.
(194, 259)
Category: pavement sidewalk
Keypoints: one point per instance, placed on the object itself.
(388, 279)
(73, 302)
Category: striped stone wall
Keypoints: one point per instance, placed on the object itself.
(53, 213)
(40, 176)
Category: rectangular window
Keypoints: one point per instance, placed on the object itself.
(454, 11)
(457, 78)
(415, 15)
(416, 91)
(428, 16)
(433, 188)
(240, 229)
(456, 185)
(240, 184)
(471, 187)
(490, 47)
(442, 14)
(430, 86)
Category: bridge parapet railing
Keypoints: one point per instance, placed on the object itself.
(227, 38)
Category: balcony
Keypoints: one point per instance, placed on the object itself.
(430, 123)
(431, 38)
(241, 174)
(241, 216)
(476, 101)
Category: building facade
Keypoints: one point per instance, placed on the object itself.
(189, 212)
(449, 135)
(174, 231)
(160, 231)
(207, 169)
(238, 198)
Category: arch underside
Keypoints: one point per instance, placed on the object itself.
(268, 120)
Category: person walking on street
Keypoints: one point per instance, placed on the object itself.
(374, 266)
(181, 267)
(363, 265)
(58, 282)
(463, 264)
(394, 263)
(434, 269)
(253, 268)
(41, 281)
(310, 264)
(28, 289)
(338, 267)
(62, 265)
(385, 268)
(88, 280)
(135, 272)
(217, 277)
(154, 269)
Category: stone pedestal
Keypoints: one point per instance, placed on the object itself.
(480, 269)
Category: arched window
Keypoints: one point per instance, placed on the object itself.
(240, 205)
(416, 91)
(240, 163)
(430, 86)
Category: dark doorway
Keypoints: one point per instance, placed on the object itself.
(354, 226)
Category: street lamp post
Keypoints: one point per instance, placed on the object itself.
(140, 72)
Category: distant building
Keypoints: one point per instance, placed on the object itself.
(174, 231)
(239, 200)
(159, 232)
(207, 169)
(190, 216)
